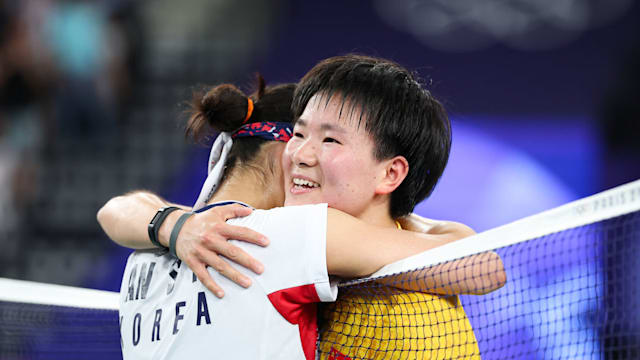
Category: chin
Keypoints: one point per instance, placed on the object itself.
(301, 200)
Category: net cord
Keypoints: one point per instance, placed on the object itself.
(21, 291)
(604, 205)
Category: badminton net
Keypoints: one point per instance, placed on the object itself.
(562, 284)
(43, 321)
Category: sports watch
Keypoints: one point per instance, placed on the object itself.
(156, 222)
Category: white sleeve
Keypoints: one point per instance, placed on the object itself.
(296, 255)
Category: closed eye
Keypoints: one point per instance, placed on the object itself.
(331, 140)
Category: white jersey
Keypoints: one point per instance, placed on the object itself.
(166, 313)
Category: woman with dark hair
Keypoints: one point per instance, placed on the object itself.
(165, 312)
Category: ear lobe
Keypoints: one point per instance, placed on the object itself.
(396, 171)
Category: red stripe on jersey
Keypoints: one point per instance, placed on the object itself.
(337, 355)
(298, 306)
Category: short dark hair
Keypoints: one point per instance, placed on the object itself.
(402, 117)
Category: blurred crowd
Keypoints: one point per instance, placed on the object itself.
(66, 73)
(90, 94)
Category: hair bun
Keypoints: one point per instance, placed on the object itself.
(223, 108)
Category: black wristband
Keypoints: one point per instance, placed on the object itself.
(156, 222)
(176, 230)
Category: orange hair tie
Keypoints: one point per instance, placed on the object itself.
(249, 110)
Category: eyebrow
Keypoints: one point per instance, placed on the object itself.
(302, 122)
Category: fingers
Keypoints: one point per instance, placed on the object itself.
(235, 254)
(234, 211)
(206, 243)
(241, 233)
(205, 278)
(198, 265)
(226, 270)
(237, 232)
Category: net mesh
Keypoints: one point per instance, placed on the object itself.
(40, 331)
(570, 294)
(568, 291)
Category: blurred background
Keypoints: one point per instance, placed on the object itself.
(543, 96)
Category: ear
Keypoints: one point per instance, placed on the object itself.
(394, 172)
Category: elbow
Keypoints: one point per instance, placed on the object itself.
(496, 276)
(107, 214)
(102, 214)
(500, 275)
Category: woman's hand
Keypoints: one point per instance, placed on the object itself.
(203, 241)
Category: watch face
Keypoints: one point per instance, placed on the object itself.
(152, 226)
(156, 216)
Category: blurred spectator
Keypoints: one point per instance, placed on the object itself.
(78, 37)
(124, 55)
(24, 113)
(65, 71)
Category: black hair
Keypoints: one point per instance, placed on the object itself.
(402, 117)
(224, 108)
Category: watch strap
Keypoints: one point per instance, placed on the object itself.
(154, 226)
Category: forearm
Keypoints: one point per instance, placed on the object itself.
(473, 275)
(125, 218)
(357, 249)
(201, 242)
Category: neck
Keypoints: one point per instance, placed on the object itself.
(246, 186)
(377, 213)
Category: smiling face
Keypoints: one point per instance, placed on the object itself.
(330, 159)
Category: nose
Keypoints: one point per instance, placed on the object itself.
(305, 154)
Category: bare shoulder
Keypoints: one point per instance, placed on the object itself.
(458, 229)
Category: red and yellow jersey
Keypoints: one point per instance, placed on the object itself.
(396, 325)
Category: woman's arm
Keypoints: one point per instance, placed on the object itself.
(202, 239)
(357, 249)
(477, 274)
(124, 218)
(354, 248)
